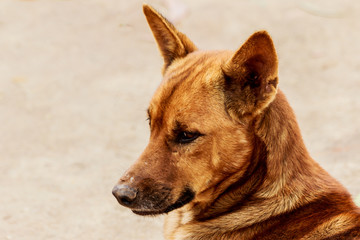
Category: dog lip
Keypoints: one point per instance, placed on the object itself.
(186, 197)
(147, 212)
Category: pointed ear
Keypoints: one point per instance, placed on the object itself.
(172, 43)
(251, 76)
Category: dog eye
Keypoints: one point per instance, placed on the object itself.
(187, 137)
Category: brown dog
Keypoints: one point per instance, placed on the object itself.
(226, 159)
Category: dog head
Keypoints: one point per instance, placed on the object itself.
(199, 119)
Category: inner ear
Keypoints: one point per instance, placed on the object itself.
(254, 70)
(257, 56)
(251, 76)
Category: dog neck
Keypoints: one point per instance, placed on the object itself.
(289, 165)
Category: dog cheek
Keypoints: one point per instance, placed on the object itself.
(181, 163)
(234, 153)
(196, 172)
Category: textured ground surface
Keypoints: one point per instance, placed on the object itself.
(76, 77)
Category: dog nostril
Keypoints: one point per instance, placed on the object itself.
(125, 200)
(124, 194)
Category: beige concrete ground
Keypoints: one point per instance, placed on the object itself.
(76, 77)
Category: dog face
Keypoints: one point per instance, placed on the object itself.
(199, 120)
(189, 142)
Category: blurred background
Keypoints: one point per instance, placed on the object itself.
(76, 77)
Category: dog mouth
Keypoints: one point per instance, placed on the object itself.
(186, 197)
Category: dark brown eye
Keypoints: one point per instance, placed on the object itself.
(187, 137)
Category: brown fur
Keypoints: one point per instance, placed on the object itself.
(245, 172)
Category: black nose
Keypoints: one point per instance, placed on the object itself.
(124, 194)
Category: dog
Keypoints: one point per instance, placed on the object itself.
(226, 159)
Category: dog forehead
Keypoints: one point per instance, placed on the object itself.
(189, 75)
(190, 80)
